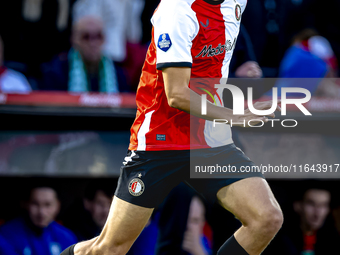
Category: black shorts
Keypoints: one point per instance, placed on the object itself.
(148, 176)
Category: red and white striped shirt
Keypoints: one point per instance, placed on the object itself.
(200, 34)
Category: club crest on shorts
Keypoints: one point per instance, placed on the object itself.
(238, 12)
(164, 42)
(136, 187)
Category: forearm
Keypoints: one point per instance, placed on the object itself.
(181, 97)
(191, 102)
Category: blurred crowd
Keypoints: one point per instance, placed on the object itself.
(99, 46)
(183, 224)
(69, 45)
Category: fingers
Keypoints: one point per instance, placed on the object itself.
(265, 105)
(254, 73)
(278, 108)
(254, 70)
(249, 69)
(264, 119)
(189, 243)
(271, 115)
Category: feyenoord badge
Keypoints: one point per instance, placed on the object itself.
(238, 12)
(136, 187)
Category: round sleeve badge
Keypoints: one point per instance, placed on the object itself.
(136, 187)
(164, 42)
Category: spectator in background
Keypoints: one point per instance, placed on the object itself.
(122, 23)
(307, 13)
(313, 210)
(6, 248)
(37, 232)
(183, 228)
(88, 219)
(310, 56)
(85, 68)
(98, 205)
(178, 227)
(10, 80)
(194, 241)
(312, 233)
(123, 32)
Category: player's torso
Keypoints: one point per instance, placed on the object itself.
(213, 45)
(157, 125)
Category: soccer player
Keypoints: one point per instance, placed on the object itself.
(191, 39)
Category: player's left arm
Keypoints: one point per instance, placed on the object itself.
(181, 97)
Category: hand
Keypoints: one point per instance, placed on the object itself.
(192, 243)
(249, 69)
(328, 88)
(265, 105)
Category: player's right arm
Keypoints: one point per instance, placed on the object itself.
(181, 97)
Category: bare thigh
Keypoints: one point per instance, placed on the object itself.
(248, 199)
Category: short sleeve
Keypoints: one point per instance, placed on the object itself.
(175, 27)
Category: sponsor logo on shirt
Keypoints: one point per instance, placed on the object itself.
(209, 51)
(164, 42)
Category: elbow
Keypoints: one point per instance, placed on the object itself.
(179, 99)
(174, 102)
